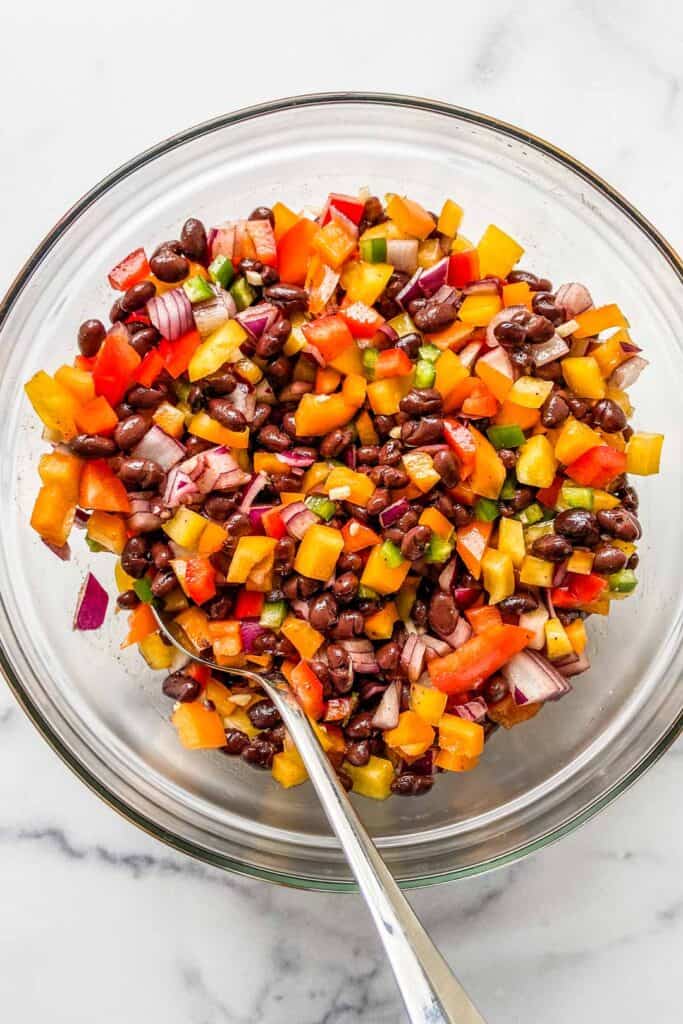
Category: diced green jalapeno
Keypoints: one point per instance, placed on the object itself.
(373, 250)
(532, 514)
(622, 582)
(143, 589)
(273, 614)
(242, 293)
(425, 374)
(391, 554)
(222, 271)
(322, 506)
(486, 510)
(510, 436)
(197, 289)
(438, 550)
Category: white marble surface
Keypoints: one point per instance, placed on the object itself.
(98, 922)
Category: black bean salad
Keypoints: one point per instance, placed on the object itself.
(355, 447)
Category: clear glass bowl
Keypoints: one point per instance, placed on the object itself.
(102, 710)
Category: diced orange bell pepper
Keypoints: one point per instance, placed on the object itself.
(357, 536)
(480, 402)
(354, 390)
(305, 638)
(170, 419)
(479, 310)
(450, 218)
(378, 576)
(220, 696)
(78, 381)
(453, 337)
(202, 425)
(461, 736)
(427, 702)
(449, 373)
(195, 624)
(307, 689)
(284, 220)
(327, 380)
(109, 530)
(593, 321)
(96, 417)
(54, 403)
(360, 487)
(226, 641)
(465, 387)
(437, 523)
(461, 442)
(53, 515)
(497, 383)
(392, 362)
(263, 238)
(250, 551)
(517, 294)
(199, 727)
(477, 659)
(319, 414)
(508, 714)
(177, 354)
(463, 493)
(318, 552)
(410, 217)
(498, 253)
(489, 472)
(294, 251)
(452, 762)
(212, 539)
(366, 429)
(141, 623)
(100, 489)
(348, 362)
(384, 395)
(471, 544)
(64, 471)
(420, 468)
(411, 729)
(329, 334)
(149, 369)
(333, 244)
(610, 353)
(380, 625)
(511, 414)
(484, 617)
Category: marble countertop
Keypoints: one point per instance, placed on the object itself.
(100, 923)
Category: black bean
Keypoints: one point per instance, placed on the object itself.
(609, 416)
(346, 587)
(288, 297)
(219, 607)
(287, 482)
(539, 328)
(410, 344)
(419, 613)
(181, 687)
(410, 784)
(517, 604)
(135, 557)
(235, 742)
(509, 332)
(580, 408)
(220, 383)
(421, 402)
(554, 412)
(285, 552)
(323, 611)
(434, 316)
(259, 753)
(272, 439)
(447, 468)
(238, 525)
(521, 499)
(273, 339)
(373, 211)
(219, 506)
(495, 689)
(508, 456)
(334, 443)
(414, 542)
(579, 525)
(193, 240)
(388, 476)
(169, 266)
(384, 425)
(367, 454)
(91, 334)
(551, 371)
(628, 497)
(390, 452)
(261, 416)
(378, 501)
(620, 523)
(349, 624)
(140, 474)
(128, 599)
(536, 284)
(92, 446)
(358, 753)
(224, 411)
(552, 548)
(147, 398)
(544, 304)
(137, 296)
(427, 430)
(388, 656)
(443, 614)
(360, 726)
(143, 341)
(164, 582)
(609, 559)
(263, 213)
(161, 554)
(264, 714)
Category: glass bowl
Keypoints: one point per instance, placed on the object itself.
(102, 710)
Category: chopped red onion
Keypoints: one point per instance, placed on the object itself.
(212, 313)
(388, 709)
(460, 635)
(547, 596)
(498, 359)
(350, 457)
(629, 346)
(222, 241)
(391, 513)
(465, 596)
(293, 392)
(532, 678)
(628, 373)
(81, 518)
(388, 332)
(327, 286)
(159, 447)
(502, 317)
(534, 622)
(362, 655)
(447, 576)
(143, 522)
(435, 645)
(573, 298)
(256, 513)
(560, 573)
(256, 319)
(171, 313)
(574, 668)
(485, 286)
(244, 400)
(445, 294)
(180, 489)
(297, 518)
(345, 222)
(402, 254)
(91, 606)
(412, 657)
(548, 351)
(411, 290)
(249, 632)
(314, 352)
(433, 278)
(295, 458)
(470, 353)
(252, 491)
(473, 711)
(301, 609)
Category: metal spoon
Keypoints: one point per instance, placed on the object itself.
(430, 992)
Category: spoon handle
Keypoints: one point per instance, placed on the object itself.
(431, 993)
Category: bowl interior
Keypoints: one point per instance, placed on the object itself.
(103, 707)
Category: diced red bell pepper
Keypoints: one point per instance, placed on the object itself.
(200, 579)
(338, 708)
(261, 234)
(308, 689)
(294, 251)
(101, 490)
(480, 402)
(477, 659)
(597, 467)
(272, 524)
(197, 671)
(578, 589)
(96, 417)
(349, 206)
(357, 536)
(329, 334)
(462, 444)
(149, 369)
(249, 604)
(548, 495)
(363, 321)
(463, 267)
(177, 354)
(115, 365)
(392, 362)
(85, 363)
(129, 271)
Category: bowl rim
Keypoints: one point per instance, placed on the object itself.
(43, 249)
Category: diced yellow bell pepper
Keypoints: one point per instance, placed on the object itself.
(380, 625)
(288, 769)
(411, 217)
(372, 779)
(108, 530)
(348, 361)
(220, 695)
(449, 372)
(479, 310)
(365, 282)
(284, 219)
(290, 497)
(411, 729)
(581, 562)
(203, 426)
(643, 454)
(122, 579)
(530, 392)
(537, 572)
(377, 575)
(156, 653)
(610, 354)
(499, 575)
(249, 370)
(498, 253)
(583, 376)
(318, 552)
(405, 599)
(261, 576)
(558, 644)
(450, 218)
(428, 702)
(199, 728)
(185, 528)
(212, 539)
(170, 419)
(384, 395)
(387, 229)
(536, 464)
(452, 762)
(461, 244)
(429, 252)
(315, 476)
(511, 540)
(305, 638)
(79, 382)
(297, 339)
(603, 500)
(366, 429)
(63, 470)
(575, 438)
(420, 468)
(250, 551)
(624, 545)
(437, 523)
(54, 404)
(239, 719)
(489, 471)
(222, 346)
(532, 533)
(622, 400)
(195, 625)
(576, 631)
(593, 321)
(319, 414)
(461, 736)
(354, 389)
(53, 515)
